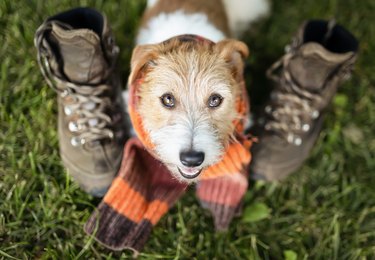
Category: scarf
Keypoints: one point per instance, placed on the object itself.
(144, 189)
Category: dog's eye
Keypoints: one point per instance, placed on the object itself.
(168, 100)
(214, 100)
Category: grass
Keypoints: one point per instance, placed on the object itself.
(326, 210)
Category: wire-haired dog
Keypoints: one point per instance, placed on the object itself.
(188, 89)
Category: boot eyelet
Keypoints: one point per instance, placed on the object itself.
(297, 141)
(315, 114)
(64, 93)
(77, 141)
(73, 126)
(290, 138)
(294, 139)
(305, 127)
(68, 110)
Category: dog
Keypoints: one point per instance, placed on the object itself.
(187, 98)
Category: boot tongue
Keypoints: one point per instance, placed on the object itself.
(313, 65)
(81, 54)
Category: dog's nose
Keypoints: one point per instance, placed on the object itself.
(191, 158)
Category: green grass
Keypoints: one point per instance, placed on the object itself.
(326, 210)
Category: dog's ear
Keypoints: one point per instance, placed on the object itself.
(143, 57)
(234, 52)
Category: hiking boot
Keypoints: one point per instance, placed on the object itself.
(319, 59)
(77, 56)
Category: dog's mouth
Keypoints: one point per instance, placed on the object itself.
(190, 173)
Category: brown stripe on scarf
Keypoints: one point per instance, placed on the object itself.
(115, 231)
(222, 197)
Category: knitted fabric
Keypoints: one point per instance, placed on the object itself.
(144, 189)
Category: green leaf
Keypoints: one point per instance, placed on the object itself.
(255, 212)
(290, 255)
(341, 100)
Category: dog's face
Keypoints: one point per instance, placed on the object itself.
(187, 101)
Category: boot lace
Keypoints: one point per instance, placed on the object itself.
(84, 104)
(292, 109)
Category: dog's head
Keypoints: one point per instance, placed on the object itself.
(187, 100)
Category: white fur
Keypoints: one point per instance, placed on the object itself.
(151, 3)
(205, 139)
(165, 26)
(186, 134)
(243, 12)
(125, 97)
(190, 125)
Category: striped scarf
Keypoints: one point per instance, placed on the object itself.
(144, 189)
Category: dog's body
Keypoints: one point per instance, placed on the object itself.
(188, 94)
(211, 19)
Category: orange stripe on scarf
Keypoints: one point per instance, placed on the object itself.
(236, 158)
(137, 208)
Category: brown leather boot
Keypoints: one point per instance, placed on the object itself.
(77, 56)
(319, 59)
